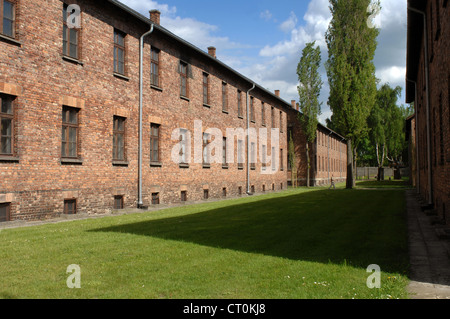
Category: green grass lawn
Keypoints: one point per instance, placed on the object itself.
(384, 184)
(296, 244)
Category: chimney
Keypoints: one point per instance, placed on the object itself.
(294, 105)
(212, 52)
(277, 93)
(155, 16)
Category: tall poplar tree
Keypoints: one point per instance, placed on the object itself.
(352, 41)
(309, 92)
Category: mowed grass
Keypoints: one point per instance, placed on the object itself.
(297, 244)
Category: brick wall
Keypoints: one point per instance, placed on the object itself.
(437, 13)
(35, 180)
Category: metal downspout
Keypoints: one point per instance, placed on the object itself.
(141, 71)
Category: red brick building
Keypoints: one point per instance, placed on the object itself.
(428, 86)
(328, 153)
(81, 133)
(70, 113)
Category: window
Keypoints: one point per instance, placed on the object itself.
(154, 71)
(6, 125)
(183, 196)
(273, 186)
(183, 149)
(5, 212)
(239, 103)
(264, 158)
(224, 192)
(7, 18)
(69, 147)
(224, 97)
(155, 198)
(273, 159)
(264, 188)
(183, 70)
(70, 206)
(441, 132)
(281, 160)
(252, 188)
(240, 190)
(205, 194)
(240, 154)
(224, 153)
(205, 89)
(154, 143)
(70, 38)
(118, 202)
(119, 138)
(281, 122)
(253, 155)
(273, 117)
(206, 141)
(119, 52)
(263, 114)
(252, 109)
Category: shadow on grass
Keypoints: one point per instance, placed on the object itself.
(338, 226)
(385, 184)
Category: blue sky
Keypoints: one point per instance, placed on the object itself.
(263, 39)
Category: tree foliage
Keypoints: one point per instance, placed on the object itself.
(310, 84)
(351, 72)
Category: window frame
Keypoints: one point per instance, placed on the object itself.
(155, 198)
(13, 21)
(120, 198)
(184, 83)
(183, 196)
(67, 126)
(239, 104)
(66, 32)
(206, 141)
(8, 212)
(152, 139)
(252, 110)
(67, 201)
(224, 153)
(155, 77)
(240, 154)
(205, 86)
(117, 48)
(224, 97)
(117, 132)
(9, 117)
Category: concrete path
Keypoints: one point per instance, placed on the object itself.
(429, 255)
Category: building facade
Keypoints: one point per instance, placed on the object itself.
(428, 87)
(328, 153)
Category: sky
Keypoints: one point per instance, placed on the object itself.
(263, 40)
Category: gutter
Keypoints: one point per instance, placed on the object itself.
(427, 80)
(141, 71)
(248, 140)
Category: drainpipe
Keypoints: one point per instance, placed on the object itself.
(328, 154)
(427, 81)
(141, 71)
(248, 140)
(417, 137)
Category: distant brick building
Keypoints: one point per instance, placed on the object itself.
(328, 153)
(428, 86)
(71, 117)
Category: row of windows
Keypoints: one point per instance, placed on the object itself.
(70, 205)
(324, 139)
(71, 49)
(70, 139)
(334, 165)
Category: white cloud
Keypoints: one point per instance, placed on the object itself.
(266, 15)
(290, 23)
